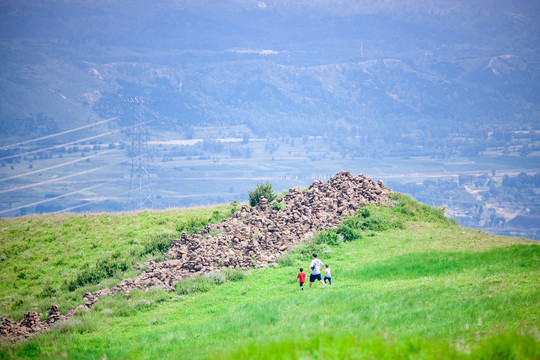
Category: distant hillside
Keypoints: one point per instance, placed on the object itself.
(425, 69)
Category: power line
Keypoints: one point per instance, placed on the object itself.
(59, 146)
(138, 147)
(54, 198)
(60, 178)
(88, 203)
(65, 177)
(69, 143)
(57, 166)
(5, 147)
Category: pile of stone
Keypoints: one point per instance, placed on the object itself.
(54, 315)
(254, 237)
(20, 329)
(29, 325)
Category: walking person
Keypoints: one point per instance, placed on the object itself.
(301, 278)
(327, 275)
(315, 270)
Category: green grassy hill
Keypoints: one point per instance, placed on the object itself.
(407, 283)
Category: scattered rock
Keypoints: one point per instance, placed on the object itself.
(30, 325)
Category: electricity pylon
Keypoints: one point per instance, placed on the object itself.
(140, 195)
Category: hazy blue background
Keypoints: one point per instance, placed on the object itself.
(437, 98)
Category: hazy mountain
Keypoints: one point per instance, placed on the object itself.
(279, 67)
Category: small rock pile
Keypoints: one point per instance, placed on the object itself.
(54, 314)
(252, 238)
(91, 299)
(256, 237)
(30, 325)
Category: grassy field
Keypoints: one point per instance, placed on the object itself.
(56, 258)
(409, 285)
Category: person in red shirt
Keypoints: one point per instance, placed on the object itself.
(302, 278)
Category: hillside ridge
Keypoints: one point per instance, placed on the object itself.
(253, 237)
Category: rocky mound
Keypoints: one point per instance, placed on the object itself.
(30, 325)
(253, 237)
(256, 237)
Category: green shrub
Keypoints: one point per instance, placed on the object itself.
(115, 305)
(217, 216)
(261, 190)
(192, 225)
(365, 212)
(155, 294)
(278, 206)
(196, 224)
(80, 325)
(349, 233)
(102, 269)
(234, 275)
(286, 260)
(373, 218)
(194, 284)
(47, 292)
(124, 305)
(106, 312)
(375, 222)
(141, 304)
(234, 206)
(204, 283)
(216, 277)
(330, 237)
(158, 244)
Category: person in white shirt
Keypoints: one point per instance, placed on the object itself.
(327, 275)
(315, 270)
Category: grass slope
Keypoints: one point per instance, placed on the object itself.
(50, 259)
(409, 284)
